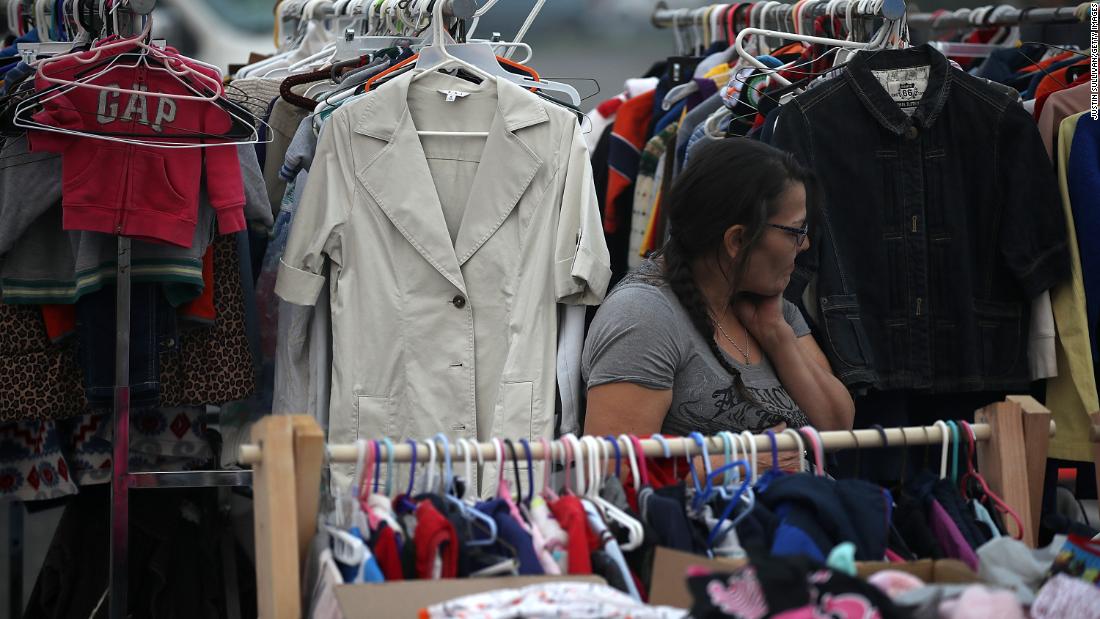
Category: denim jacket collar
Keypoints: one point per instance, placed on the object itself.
(878, 101)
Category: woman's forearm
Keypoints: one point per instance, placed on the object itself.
(817, 392)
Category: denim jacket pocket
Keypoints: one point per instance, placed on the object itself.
(846, 343)
(999, 329)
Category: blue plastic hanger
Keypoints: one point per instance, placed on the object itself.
(774, 471)
(404, 502)
(448, 495)
(668, 452)
(715, 530)
(389, 465)
(701, 495)
(530, 471)
(954, 452)
(618, 455)
(377, 466)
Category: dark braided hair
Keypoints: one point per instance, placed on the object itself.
(735, 181)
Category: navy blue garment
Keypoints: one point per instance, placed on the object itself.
(153, 330)
(928, 486)
(511, 532)
(817, 513)
(1004, 63)
(757, 530)
(669, 117)
(665, 511)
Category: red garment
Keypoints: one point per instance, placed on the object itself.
(138, 191)
(435, 535)
(1057, 81)
(608, 108)
(201, 308)
(570, 515)
(60, 321)
(628, 138)
(385, 552)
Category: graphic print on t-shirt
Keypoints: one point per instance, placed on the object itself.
(711, 410)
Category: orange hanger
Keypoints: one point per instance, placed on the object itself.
(404, 63)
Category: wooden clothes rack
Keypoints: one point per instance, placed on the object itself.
(289, 451)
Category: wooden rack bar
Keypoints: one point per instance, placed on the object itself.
(680, 446)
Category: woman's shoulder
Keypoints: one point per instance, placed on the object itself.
(643, 288)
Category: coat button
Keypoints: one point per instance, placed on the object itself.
(912, 133)
(459, 301)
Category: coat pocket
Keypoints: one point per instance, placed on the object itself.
(847, 344)
(1000, 329)
(374, 417)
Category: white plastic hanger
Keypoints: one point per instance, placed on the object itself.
(945, 445)
(801, 448)
(635, 530)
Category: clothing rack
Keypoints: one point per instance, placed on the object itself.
(288, 452)
(998, 17)
(781, 14)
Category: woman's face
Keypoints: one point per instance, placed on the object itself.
(771, 262)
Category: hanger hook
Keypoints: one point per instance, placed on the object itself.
(530, 469)
(389, 464)
(801, 448)
(944, 443)
(412, 468)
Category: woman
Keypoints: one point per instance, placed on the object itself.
(700, 338)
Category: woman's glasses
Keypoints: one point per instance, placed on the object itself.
(799, 234)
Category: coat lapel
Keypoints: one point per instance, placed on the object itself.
(399, 180)
(506, 170)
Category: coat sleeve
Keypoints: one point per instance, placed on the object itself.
(317, 229)
(1032, 229)
(582, 263)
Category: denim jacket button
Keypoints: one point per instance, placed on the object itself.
(912, 133)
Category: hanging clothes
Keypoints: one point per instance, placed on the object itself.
(953, 317)
(439, 270)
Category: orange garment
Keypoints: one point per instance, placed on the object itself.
(1058, 80)
(628, 138)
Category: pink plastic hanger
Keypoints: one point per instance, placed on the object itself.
(972, 473)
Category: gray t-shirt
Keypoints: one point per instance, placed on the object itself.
(642, 335)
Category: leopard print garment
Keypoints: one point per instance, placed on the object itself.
(214, 364)
(39, 380)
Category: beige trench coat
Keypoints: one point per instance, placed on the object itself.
(446, 323)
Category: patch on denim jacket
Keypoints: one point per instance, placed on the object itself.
(905, 86)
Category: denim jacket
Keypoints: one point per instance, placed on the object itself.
(938, 229)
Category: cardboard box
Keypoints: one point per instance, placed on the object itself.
(669, 586)
(405, 598)
(942, 571)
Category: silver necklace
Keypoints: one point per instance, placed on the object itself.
(744, 352)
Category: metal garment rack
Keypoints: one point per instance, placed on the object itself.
(122, 479)
(779, 14)
(963, 18)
